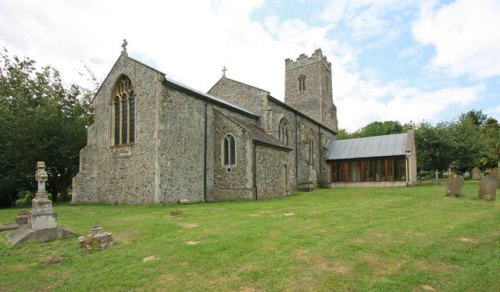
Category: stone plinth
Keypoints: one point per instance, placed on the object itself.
(40, 223)
(98, 239)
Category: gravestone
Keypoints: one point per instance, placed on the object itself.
(454, 185)
(476, 173)
(487, 188)
(495, 174)
(97, 239)
(40, 223)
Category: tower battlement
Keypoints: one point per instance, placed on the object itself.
(308, 87)
(304, 60)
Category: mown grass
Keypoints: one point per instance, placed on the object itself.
(391, 239)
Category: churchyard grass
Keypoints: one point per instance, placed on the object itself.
(387, 239)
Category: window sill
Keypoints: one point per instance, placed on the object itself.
(122, 145)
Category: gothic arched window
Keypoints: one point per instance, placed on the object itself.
(302, 82)
(123, 112)
(283, 131)
(229, 151)
(310, 147)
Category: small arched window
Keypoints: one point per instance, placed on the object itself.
(123, 112)
(302, 83)
(310, 147)
(229, 151)
(283, 131)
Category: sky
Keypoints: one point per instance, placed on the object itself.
(391, 59)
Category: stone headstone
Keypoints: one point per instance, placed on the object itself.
(454, 185)
(97, 239)
(495, 173)
(487, 188)
(40, 223)
(476, 173)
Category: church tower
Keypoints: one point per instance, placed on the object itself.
(308, 88)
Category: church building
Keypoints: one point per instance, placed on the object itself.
(155, 140)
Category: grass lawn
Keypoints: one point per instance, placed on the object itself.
(389, 239)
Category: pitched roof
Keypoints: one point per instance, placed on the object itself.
(258, 134)
(377, 146)
(212, 98)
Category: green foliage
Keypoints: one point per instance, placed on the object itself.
(434, 146)
(375, 129)
(490, 140)
(384, 239)
(472, 140)
(40, 119)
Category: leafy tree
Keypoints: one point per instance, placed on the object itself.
(434, 146)
(466, 141)
(381, 128)
(476, 117)
(40, 119)
(490, 140)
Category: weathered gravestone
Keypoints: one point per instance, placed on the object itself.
(40, 223)
(454, 185)
(487, 188)
(97, 239)
(495, 174)
(476, 173)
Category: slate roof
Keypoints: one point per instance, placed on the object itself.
(377, 146)
(210, 97)
(258, 134)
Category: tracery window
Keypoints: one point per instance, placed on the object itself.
(123, 113)
(229, 151)
(283, 131)
(302, 83)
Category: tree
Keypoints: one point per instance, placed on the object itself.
(490, 140)
(466, 142)
(434, 146)
(40, 119)
(381, 128)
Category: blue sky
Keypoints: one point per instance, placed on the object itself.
(391, 60)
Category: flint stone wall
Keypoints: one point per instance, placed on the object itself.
(235, 183)
(122, 173)
(273, 177)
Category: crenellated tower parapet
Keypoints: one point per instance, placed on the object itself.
(308, 87)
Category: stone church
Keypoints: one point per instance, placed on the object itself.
(155, 140)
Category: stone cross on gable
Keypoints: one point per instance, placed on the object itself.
(41, 177)
(224, 70)
(124, 47)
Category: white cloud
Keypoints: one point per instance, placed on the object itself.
(371, 101)
(465, 35)
(192, 45)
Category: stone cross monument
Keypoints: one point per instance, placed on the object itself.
(41, 223)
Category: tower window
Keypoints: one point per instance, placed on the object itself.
(302, 83)
(123, 113)
(229, 151)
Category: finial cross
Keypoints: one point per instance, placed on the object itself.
(224, 70)
(124, 46)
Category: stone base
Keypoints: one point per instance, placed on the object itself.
(41, 235)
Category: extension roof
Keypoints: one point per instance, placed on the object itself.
(369, 147)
